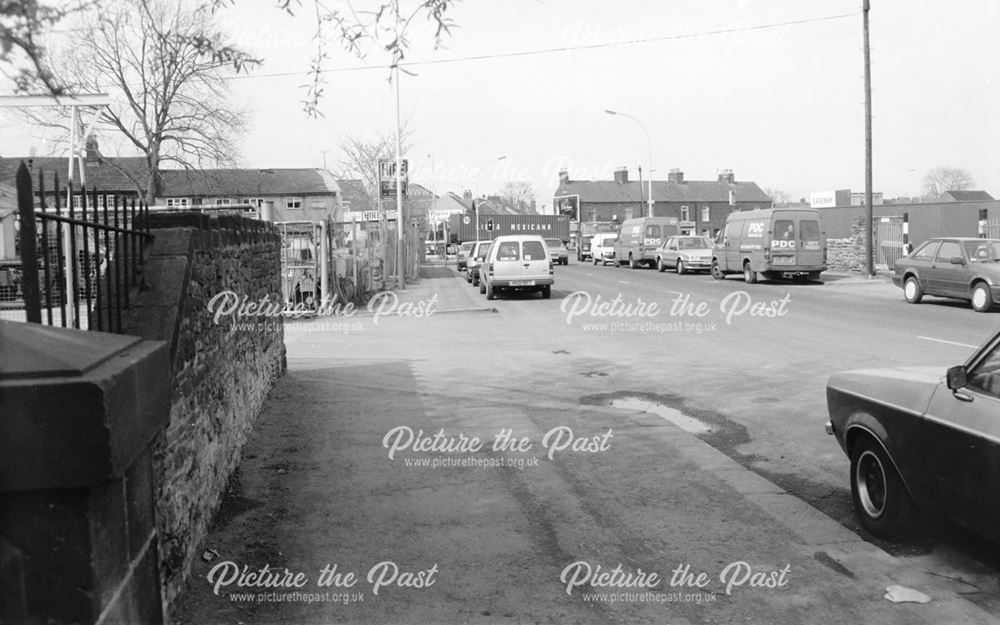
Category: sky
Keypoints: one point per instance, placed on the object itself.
(772, 89)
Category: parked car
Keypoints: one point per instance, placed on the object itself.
(476, 256)
(684, 254)
(517, 263)
(463, 254)
(639, 238)
(922, 439)
(771, 243)
(957, 267)
(557, 251)
(602, 248)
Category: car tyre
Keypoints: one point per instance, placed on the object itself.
(546, 291)
(631, 262)
(482, 287)
(716, 271)
(490, 294)
(912, 291)
(595, 262)
(659, 265)
(880, 499)
(681, 270)
(749, 275)
(982, 299)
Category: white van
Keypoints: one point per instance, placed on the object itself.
(602, 247)
(771, 243)
(517, 263)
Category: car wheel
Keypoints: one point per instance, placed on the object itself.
(489, 292)
(680, 267)
(880, 499)
(546, 292)
(659, 264)
(631, 262)
(912, 291)
(595, 262)
(749, 275)
(475, 282)
(468, 277)
(482, 287)
(716, 271)
(982, 299)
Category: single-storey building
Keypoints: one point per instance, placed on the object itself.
(701, 207)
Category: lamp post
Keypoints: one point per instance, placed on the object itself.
(479, 174)
(649, 144)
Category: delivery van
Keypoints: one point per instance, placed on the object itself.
(517, 263)
(638, 239)
(771, 243)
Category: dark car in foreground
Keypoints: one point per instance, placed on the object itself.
(956, 267)
(922, 440)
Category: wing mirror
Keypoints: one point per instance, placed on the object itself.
(957, 377)
(957, 260)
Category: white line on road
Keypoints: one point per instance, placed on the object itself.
(624, 282)
(928, 338)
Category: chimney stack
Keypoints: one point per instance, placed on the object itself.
(563, 176)
(621, 175)
(93, 154)
(675, 175)
(727, 175)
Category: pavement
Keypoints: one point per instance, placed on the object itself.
(449, 532)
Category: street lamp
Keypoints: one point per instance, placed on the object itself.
(649, 144)
(479, 174)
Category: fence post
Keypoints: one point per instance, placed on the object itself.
(29, 246)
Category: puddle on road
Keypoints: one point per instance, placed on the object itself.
(678, 418)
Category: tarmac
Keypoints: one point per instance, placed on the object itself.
(316, 488)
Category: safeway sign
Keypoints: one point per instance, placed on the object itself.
(387, 178)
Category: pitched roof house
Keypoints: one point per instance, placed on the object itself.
(701, 206)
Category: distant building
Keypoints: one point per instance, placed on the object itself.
(842, 197)
(700, 206)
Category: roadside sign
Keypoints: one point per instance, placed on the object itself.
(387, 178)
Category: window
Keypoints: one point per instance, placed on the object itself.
(317, 204)
(685, 213)
(254, 201)
(982, 251)
(534, 250)
(508, 250)
(706, 213)
(927, 250)
(177, 202)
(293, 203)
(809, 230)
(223, 201)
(985, 376)
(652, 230)
(77, 202)
(949, 250)
(784, 229)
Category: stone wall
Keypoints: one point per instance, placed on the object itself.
(848, 254)
(222, 368)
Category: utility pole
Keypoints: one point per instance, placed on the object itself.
(869, 213)
(400, 266)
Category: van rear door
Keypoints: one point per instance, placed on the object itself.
(535, 261)
(810, 250)
(507, 261)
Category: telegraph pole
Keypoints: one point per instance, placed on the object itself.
(869, 213)
(400, 266)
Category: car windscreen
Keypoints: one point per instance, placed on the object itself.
(509, 250)
(694, 243)
(983, 251)
(553, 243)
(534, 250)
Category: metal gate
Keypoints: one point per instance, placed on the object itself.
(889, 240)
(302, 248)
(991, 228)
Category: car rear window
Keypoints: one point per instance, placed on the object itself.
(534, 250)
(981, 251)
(553, 242)
(509, 250)
(809, 230)
(467, 247)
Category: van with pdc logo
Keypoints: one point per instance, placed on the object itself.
(639, 238)
(771, 243)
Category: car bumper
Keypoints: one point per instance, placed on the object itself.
(518, 284)
(897, 280)
(695, 264)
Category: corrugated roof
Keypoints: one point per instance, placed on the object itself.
(968, 196)
(100, 174)
(609, 191)
(245, 182)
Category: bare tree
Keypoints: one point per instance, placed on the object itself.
(518, 195)
(941, 179)
(777, 195)
(171, 101)
(22, 56)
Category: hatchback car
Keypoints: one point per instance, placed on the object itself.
(684, 254)
(475, 259)
(959, 267)
(922, 439)
(463, 254)
(557, 251)
(517, 263)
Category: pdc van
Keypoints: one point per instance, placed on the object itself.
(771, 243)
(638, 239)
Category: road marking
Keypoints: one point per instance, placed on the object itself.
(928, 338)
(624, 282)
